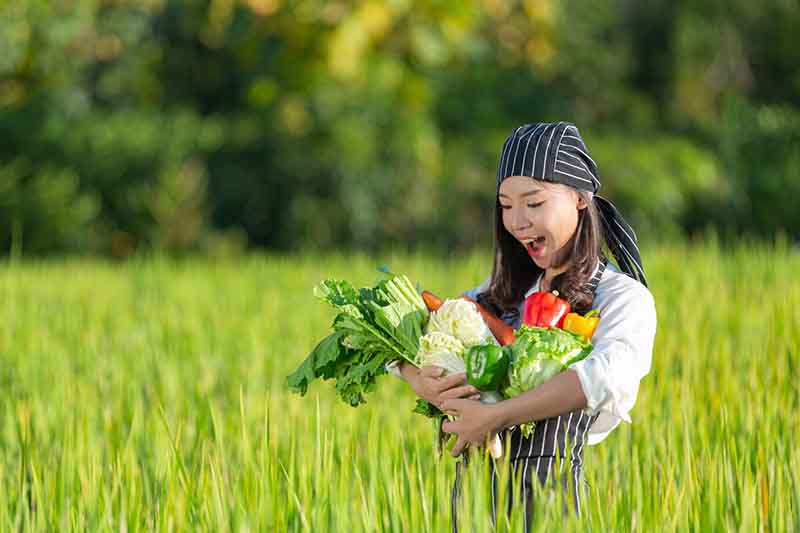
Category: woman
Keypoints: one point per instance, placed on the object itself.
(549, 232)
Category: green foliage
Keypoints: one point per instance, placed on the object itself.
(42, 208)
(660, 180)
(763, 156)
(202, 126)
(538, 354)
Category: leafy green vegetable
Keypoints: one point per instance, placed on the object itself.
(537, 355)
(374, 326)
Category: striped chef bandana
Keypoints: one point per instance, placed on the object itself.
(556, 152)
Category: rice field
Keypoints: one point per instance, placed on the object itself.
(149, 396)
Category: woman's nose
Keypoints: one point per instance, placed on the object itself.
(519, 220)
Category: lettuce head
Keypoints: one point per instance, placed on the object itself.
(538, 354)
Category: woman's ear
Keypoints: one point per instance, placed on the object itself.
(581, 204)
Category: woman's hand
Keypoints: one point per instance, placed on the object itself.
(476, 422)
(431, 386)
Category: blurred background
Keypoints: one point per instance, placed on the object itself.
(221, 126)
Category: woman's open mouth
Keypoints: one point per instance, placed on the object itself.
(535, 246)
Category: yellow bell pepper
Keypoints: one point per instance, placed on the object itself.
(582, 325)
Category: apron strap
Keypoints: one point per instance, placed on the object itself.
(595, 280)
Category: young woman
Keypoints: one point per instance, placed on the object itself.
(549, 230)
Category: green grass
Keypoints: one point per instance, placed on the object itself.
(150, 396)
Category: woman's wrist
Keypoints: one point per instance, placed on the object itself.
(503, 415)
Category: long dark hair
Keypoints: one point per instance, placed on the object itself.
(513, 271)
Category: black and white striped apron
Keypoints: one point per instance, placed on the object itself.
(562, 436)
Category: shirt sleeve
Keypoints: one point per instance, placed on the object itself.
(622, 353)
(393, 366)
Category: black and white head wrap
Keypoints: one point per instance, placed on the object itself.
(555, 152)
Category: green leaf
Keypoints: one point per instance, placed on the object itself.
(325, 354)
(298, 380)
(338, 293)
(427, 409)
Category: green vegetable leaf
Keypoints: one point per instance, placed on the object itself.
(325, 353)
(298, 380)
(427, 409)
(538, 354)
(374, 326)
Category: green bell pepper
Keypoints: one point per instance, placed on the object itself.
(486, 366)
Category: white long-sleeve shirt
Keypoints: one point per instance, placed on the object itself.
(622, 348)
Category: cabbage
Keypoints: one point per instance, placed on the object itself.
(529, 374)
(537, 355)
(460, 319)
(441, 349)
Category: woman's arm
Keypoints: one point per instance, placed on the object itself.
(560, 394)
(622, 352)
(476, 421)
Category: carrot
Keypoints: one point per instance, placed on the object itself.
(501, 331)
(432, 302)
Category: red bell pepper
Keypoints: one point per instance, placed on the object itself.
(545, 309)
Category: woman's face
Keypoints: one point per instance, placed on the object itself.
(541, 215)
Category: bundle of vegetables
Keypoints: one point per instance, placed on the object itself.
(388, 322)
(541, 348)
(374, 326)
(393, 321)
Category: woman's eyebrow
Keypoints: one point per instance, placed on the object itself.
(529, 193)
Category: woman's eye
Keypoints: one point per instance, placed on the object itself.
(535, 205)
(505, 206)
